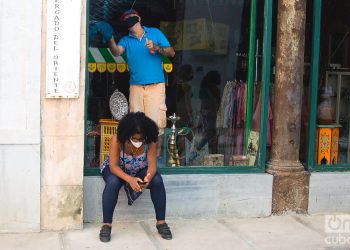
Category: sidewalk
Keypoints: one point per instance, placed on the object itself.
(274, 232)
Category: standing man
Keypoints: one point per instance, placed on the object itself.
(143, 47)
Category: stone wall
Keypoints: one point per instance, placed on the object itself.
(190, 196)
(329, 193)
(20, 46)
(62, 124)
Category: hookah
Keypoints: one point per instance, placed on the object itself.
(173, 160)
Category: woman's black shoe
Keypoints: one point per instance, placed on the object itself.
(105, 233)
(164, 231)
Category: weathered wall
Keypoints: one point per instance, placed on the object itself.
(329, 193)
(62, 149)
(20, 54)
(190, 196)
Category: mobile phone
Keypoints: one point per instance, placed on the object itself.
(142, 182)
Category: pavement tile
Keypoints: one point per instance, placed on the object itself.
(198, 234)
(290, 232)
(278, 232)
(29, 241)
(124, 236)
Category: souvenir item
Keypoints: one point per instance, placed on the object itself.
(118, 105)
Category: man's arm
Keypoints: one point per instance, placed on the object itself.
(165, 51)
(116, 50)
(164, 48)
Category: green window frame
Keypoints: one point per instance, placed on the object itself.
(266, 65)
(310, 164)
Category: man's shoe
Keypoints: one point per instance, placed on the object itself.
(164, 231)
(105, 233)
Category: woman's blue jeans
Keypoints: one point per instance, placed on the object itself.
(113, 185)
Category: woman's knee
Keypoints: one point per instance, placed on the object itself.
(157, 180)
(113, 182)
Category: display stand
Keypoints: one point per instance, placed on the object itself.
(327, 144)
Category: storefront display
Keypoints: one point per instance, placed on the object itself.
(206, 82)
(327, 139)
(118, 105)
(333, 106)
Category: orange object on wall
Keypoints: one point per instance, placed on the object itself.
(335, 145)
(327, 137)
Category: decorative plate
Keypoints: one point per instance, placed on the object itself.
(118, 105)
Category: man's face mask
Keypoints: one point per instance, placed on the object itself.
(130, 21)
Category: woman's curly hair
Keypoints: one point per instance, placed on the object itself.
(137, 123)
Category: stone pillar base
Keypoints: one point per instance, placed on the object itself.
(290, 190)
(281, 166)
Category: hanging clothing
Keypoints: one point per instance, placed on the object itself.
(256, 119)
(223, 108)
(231, 119)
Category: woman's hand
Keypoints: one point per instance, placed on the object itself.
(134, 183)
(146, 181)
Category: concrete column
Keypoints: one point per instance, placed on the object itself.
(62, 146)
(290, 187)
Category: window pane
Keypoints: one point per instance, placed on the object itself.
(206, 80)
(333, 110)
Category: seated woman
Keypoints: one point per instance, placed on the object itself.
(134, 150)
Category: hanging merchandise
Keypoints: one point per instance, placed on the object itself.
(101, 67)
(92, 67)
(100, 31)
(103, 59)
(111, 67)
(118, 105)
(167, 65)
(230, 119)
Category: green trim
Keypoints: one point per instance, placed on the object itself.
(210, 170)
(195, 170)
(166, 60)
(316, 28)
(91, 59)
(330, 168)
(91, 171)
(124, 57)
(251, 71)
(106, 55)
(266, 65)
(329, 126)
(86, 92)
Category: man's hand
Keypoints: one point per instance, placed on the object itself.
(150, 45)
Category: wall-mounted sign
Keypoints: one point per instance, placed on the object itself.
(63, 48)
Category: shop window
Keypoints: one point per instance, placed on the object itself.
(333, 87)
(206, 82)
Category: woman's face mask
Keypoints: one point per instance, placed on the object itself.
(136, 144)
(130, 21)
